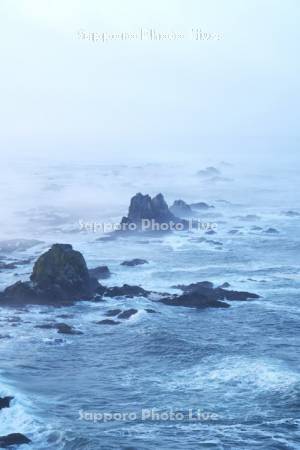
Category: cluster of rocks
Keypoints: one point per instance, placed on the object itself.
(60, 276)
(205, 295)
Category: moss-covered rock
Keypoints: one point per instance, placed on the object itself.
(60, 275)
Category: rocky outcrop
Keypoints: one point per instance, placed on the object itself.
(59, 276)
(204, 295)
(13, 439)
(181, 209)
(5, 402)
(134, 262)
(128, 313)
(100, 272)
(143, 209)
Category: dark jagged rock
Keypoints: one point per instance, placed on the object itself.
(100, 272)
(13, 439)
(144, 210)
(113, 312)
(127, 314)
(108, 322)
(200, 205)
(134, 262)
(125, 291)
(59, 276)
(194, 300)
(204, 295)
(181, 209)
(210, 232)
(194, 286)
(235, 295)
(5, 402)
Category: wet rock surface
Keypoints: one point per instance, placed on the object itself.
(204, 295)
(108, 322)
(123, 291)
(128, 313)
(5, 402)
(13, 439)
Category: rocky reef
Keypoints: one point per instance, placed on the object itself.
(204, 295)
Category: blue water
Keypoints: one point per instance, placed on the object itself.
(239, 366)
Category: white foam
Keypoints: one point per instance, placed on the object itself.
(247, 374)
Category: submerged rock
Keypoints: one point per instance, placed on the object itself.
(100, 272)
(59, 276)
(134, 262)
(13, 439)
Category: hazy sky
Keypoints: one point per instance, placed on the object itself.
(66, 97)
